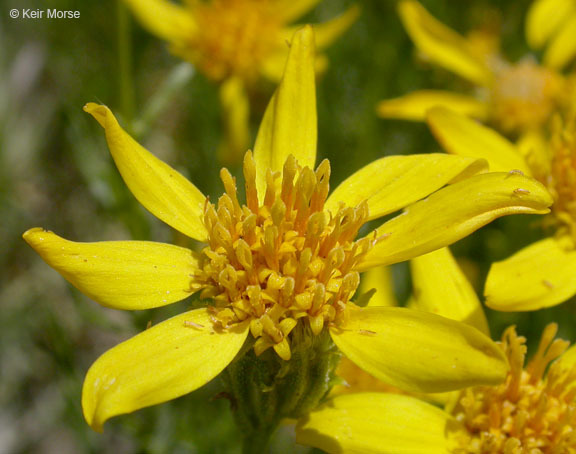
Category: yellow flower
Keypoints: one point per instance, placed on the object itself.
(234, 43)
(542, 274)
(532, 411)
(285, 262)
(515, 97)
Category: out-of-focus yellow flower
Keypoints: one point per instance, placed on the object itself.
(235, 43)
(514, 97)
(542, 274)
(282, 267)
(532, 411)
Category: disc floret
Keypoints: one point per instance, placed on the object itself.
(284, 260)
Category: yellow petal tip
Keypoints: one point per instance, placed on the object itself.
(98, 111)
(34, 235)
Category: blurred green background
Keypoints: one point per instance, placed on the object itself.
(55, 172)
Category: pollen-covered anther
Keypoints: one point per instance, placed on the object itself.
(280, 259)
(532, 412)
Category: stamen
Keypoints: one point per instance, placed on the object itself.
(283, 261)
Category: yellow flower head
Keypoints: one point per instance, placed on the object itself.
(283, 266)
(532, 411)
(235, 43)
(233, 38)
(516, 97)
(540, 275)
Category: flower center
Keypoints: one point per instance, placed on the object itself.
(528, 413)
(562, 180)
(283, 261)
(234, 37)
(524, 95)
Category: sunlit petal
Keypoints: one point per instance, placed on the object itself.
(562, 48)
(120, 274)
(540, 275)
(454, 212)
(441, 44)
(161, 189)
(290, 125)
(166, 361)
(544, 18)
(376, 423)
(441, 287)
(419, 351)
(163, 18)
(414, 106)
(394, 182)
(465, 137)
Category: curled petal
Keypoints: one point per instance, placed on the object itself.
(419, 351)
(166, 361)
(129, 275)
(394, 182)
(441, 287)
(540, 275)
(462, 136)
(454, 212)
(161, 189)
(441, 44)
(376, 423)
(414, 106)
(289, 125)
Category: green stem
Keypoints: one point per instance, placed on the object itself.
(125, 80)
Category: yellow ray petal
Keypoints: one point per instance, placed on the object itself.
(419, 351)
(562, 48)
(465, 137)
(164, 18)
(166, 361)
(544, 18)
(161, 189)
(376, 423)
(291, 10)
(391, 183)
(129, 275)
(290, 125)
(379, 279)
(328, 32)
(236, 112)
(540, 275)
(441, 44)
(414, 106)
(454, 212)
(441, 287)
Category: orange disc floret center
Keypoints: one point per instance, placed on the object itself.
(284, 260)
(234, 37)
(532, 412)
(525, 95)
(562, 179)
